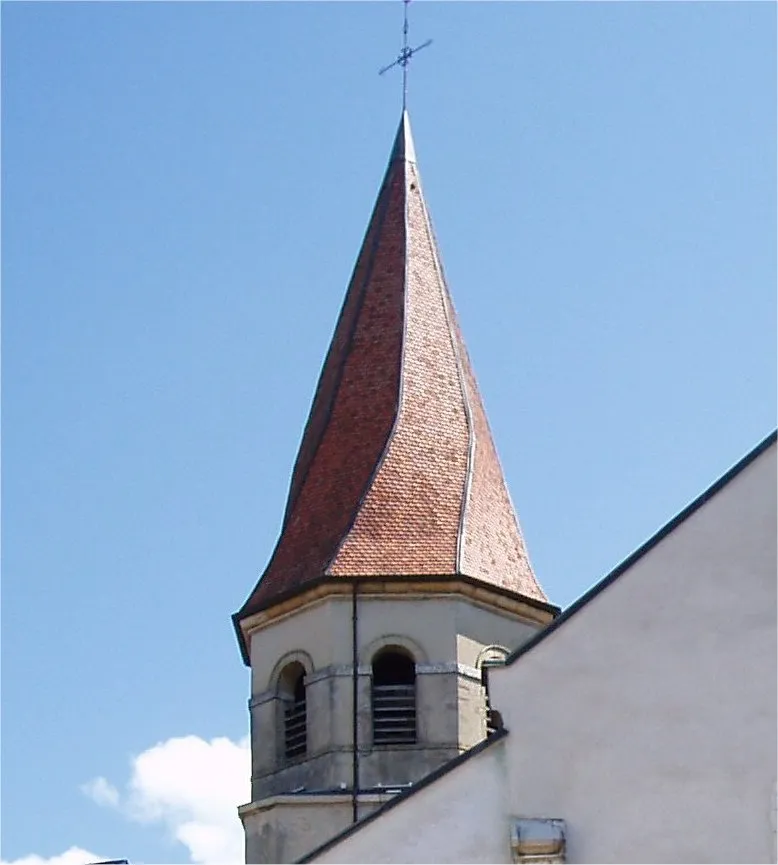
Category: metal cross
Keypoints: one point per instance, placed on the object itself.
(404, 57)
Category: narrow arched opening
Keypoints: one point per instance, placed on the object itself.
(393, 697)
(491, 656)
(291, 689)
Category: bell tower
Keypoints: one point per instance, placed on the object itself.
(400, 568)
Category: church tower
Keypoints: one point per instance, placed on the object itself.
(400, 568)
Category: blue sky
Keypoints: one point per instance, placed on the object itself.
(185, 188)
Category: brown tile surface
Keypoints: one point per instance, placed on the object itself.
(397, 473)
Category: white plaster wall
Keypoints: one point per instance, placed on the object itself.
(648, 720)
(487, 628)
(429, 622)
(321, 630)
(459, 818)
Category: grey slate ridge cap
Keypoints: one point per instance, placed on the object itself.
(401, 797)
(644, 548)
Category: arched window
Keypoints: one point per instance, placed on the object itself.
(491, 656)
(291, 688)
(394, 698)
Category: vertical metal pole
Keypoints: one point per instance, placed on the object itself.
(405, 55)
(355, 707)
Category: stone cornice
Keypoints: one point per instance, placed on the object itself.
(346, 671)
(487, 597)
(302, 799)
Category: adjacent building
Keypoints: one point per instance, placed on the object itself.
(639, 727)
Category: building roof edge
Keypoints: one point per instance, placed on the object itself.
(646, 547)
(406, 794)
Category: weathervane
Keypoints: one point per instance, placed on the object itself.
(404, 57)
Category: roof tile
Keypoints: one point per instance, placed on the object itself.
(397, 472)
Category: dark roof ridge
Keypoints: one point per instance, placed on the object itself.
(644, 548)
(401, 797)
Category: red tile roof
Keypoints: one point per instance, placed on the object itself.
(397, 473)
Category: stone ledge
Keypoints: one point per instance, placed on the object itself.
(364, 750)
(313, 799)
(363, 670)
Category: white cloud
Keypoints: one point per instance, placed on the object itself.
(192, 787)
(101, 791)
(73, 856)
